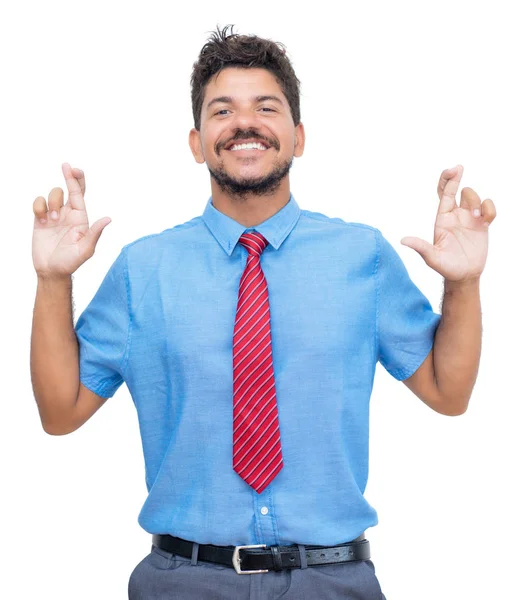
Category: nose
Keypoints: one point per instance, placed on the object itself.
(245, 118)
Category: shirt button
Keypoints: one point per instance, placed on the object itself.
(264, 510)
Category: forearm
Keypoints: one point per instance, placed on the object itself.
(54, 357)
(457, 345)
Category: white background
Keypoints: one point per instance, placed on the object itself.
(392, 94)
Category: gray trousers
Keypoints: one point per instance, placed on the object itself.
(164, 576)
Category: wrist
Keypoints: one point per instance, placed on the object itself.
(53, 279)
(462, 284)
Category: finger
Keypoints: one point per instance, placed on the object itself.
(444, 178)
(79, 175)
(89, 241)
(39, 208)
(470, 201)
(426, 250)
(449, 184)
(75, 196)
(488, 211)
(55, 203)
(421, 246)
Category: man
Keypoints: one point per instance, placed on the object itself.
(248, 338)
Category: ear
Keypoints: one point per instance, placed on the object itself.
(194, 140)
(299, 140)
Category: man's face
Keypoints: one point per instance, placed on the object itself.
(242, 107)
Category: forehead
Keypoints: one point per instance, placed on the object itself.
(242, 84)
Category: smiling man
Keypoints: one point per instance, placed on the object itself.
(248, 338)
(247, 136)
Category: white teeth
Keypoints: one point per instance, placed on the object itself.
(250, 146)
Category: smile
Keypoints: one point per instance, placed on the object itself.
(249, 146)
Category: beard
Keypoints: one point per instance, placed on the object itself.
(258, 186)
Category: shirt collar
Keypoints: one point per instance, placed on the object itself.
(275, 229)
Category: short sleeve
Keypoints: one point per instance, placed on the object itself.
(406, 323)
(102, 332)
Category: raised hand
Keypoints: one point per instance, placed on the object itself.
(62, 239)
(460, 244)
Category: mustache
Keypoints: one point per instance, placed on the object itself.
(246, 135)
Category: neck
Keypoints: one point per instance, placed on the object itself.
(251, 210)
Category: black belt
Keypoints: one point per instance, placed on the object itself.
(261, 559)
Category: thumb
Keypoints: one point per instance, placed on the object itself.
(426, 250)
(91, 238)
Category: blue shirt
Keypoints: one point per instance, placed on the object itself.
(162, 322)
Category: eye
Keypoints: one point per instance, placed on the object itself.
(267, 108)
(221, 111)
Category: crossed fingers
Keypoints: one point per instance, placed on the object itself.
(76, 186)
(448, 185)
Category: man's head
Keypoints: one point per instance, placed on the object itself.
(244, 90)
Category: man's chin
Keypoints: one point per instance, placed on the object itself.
(250, 183)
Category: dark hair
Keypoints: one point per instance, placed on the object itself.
(234, 50)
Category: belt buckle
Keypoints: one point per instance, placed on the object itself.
(236, 560)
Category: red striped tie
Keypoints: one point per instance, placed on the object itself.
(257, 454)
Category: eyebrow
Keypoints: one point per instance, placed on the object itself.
(229, 100)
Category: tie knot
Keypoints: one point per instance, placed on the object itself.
(253, 242)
